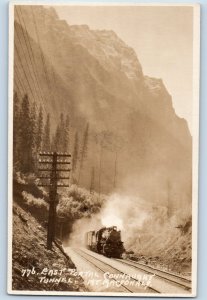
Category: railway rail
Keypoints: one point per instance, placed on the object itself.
(142, 279)
(170, 277)
(105, 267)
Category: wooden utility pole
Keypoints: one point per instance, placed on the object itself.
(52, 162)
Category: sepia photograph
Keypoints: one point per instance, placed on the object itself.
(103, 149)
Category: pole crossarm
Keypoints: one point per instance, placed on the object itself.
(57, 153)
(63, 170)
(48, 177)
(58, 185)
(49, 170)
(50, 162)
(58, 162)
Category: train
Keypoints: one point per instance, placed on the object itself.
(106, 241)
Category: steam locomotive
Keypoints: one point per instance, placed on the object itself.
(106, 241)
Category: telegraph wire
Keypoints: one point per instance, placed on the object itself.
(31, 59)
(42, 55)
(24, 91)
(30, 64)
(25, 75)
(27, 42)
(27, 62)
(18, 81)
(17, 89)
(18, 77)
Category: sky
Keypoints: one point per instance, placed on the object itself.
(161, 36)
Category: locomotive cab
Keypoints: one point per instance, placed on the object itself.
(106, 241)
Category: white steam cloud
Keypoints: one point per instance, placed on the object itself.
(144, 229)
(125, 212)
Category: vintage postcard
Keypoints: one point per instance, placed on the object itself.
(103, 149)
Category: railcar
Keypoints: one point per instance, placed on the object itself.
(106, 241)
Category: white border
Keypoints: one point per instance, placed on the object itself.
(10, 145)
(79, 3)
(195, 134)
(195, 140)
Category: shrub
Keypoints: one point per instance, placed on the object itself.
(76, 203)
(30, 200)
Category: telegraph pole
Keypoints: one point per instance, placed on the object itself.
(53, 165)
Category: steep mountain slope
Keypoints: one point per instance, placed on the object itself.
(33, 265)
(97, 78)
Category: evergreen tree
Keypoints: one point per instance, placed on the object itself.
(66, 132)
(84, 150)
(56, 140)
(92, 186)
(75, 155)
(61, 137)
(16, 128)
(102, 139)
(33, 118)
(39, 136)
(46, 135)
(26, 137)
(62, 133)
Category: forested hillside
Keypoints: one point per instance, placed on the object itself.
(119, 124)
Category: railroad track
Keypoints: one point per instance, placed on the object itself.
(105, 267)
(170, 277)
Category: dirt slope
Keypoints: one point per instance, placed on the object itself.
(35, 267)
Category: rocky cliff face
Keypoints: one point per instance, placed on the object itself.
(97, 78)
